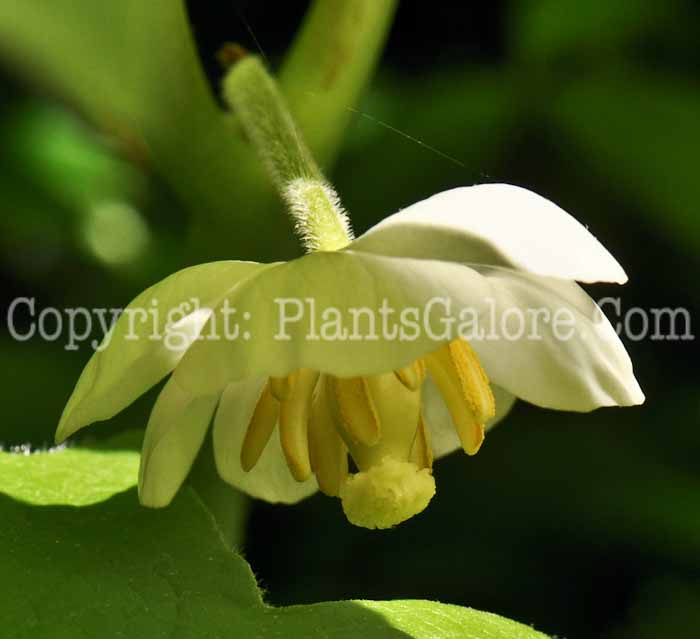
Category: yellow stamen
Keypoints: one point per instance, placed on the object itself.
(357, 409)
(377, 420)
(281, 387)
(294, 423)
(262, 423)
(412, 376)
(465, 388)
(422, 453)
(329, 456)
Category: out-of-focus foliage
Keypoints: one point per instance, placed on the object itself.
(640, 133)
(585, 525)
(549, 30)
(131, 68)
(665, 607)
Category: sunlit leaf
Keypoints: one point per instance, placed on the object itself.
(70, 477)
(113, 569)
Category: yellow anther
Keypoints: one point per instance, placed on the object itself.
(262, 423)
(357, 409)
(412, 376)
(329, 456)
(377, 420)
(465, 388)
(281, 387)
(421, 452)
(294, 423)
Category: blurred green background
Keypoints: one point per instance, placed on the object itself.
(583, 525)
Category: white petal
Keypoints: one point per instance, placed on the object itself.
(132, 360)
(174, 435)
(269, 343)
(443, 436)
(579, 372)
(270, 479)
(497, 224)
(591, 369)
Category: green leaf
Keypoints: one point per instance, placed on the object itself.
(430, 619)
(58, 476)
(113, 569)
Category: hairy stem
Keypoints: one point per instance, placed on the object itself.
(252, 93)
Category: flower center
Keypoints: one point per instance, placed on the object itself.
(378, 420)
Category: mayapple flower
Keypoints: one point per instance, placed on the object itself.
(307, 392)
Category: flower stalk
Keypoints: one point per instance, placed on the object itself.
(319, 220)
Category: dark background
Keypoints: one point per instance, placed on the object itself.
(583, 525)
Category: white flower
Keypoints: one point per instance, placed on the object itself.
(286, 412)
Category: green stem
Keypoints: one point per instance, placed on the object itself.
(255, 99)
(320, 221)
(324, 73)
(329, 65)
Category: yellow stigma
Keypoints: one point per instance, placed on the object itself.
(377, 419)
(388, 493)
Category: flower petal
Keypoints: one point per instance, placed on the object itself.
(284, 331)
(443, 435)
(575, 362)
(497, 224)
(270, 478)
(174, 435)
(589, 370)
(132, 360)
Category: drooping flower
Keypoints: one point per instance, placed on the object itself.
(298, 395)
